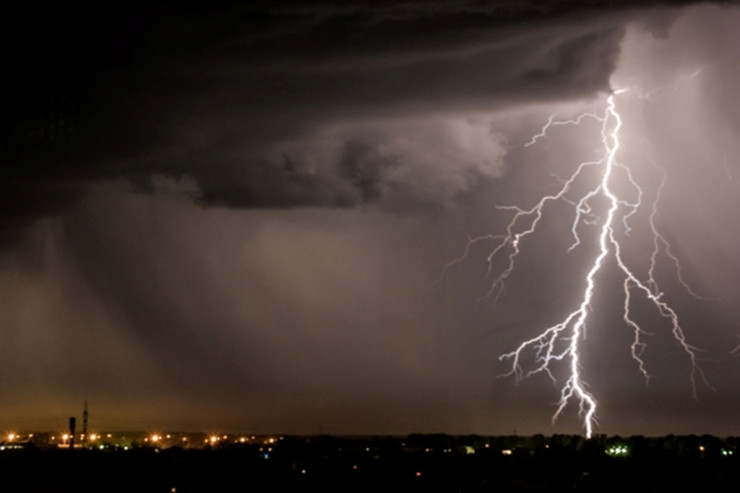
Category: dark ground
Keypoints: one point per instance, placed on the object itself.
(417, 463)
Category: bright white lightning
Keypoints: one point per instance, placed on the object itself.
(563, 341)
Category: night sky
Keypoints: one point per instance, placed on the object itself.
(238, 218)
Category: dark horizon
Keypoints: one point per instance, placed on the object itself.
(414, 463)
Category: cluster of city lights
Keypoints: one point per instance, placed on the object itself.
(128, 441)
(618, 451)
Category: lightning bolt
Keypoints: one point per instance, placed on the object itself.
(562, 342)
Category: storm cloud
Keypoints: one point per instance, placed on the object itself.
(254, 103)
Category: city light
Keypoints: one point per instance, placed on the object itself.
(618, 451)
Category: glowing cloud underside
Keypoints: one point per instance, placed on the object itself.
(562, 342)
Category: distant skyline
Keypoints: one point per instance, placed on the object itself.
(237, 218)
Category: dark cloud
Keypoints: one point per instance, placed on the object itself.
(214, 93)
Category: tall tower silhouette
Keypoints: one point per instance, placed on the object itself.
(84, 424)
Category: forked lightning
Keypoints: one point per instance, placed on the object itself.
(563, 341)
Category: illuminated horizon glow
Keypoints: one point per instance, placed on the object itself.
(563, 341)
